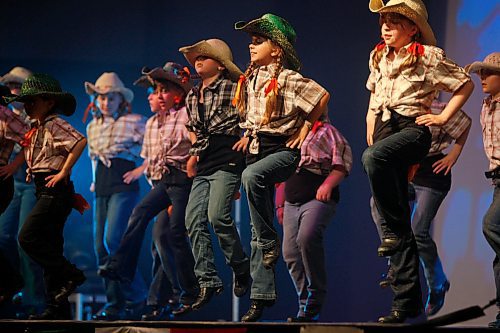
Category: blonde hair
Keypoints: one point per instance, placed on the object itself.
(272, 92)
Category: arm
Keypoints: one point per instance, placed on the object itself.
(300, 135)
(73, 156)
(279, 201)
(324, 192)
(133, 175)
(370, 125)
(447, 162)
(456, 102)
(193, 160)
(9, 169)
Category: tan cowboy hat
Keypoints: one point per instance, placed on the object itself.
(411, 9)
(216, 49)
(172, 72)
(109, 82)
(491, 62)
(16, 74)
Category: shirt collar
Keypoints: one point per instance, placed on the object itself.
(489, 102)
(46, 120)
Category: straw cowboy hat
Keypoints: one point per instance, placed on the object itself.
(279, 31)
(411, 9)
(109, 82)
(491, 62)
(16, 75)
(172, 72)
(44, 85)
(216, 49)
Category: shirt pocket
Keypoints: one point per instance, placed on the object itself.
(415, 76)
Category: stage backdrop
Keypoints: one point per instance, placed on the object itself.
(77, 41)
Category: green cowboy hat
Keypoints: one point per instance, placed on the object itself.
(279, 31)
(39, 84)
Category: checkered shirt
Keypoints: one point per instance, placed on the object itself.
(411, 91)
(297, 97)
(220, 115)
(12, 130)
(325, 148)
(50, 145)
(443, 136)
(166, 143)
(116, 138)
(490, 123)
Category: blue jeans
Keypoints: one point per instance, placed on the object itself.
(386, 163)
(259, 181)
(11, 221)
(303, 229)
(211, 201)
(111, 214)
(425, 207)
(491, 231)
(170, 230)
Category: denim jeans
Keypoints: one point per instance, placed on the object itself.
(211, 201)
(259, 181)
(111, 214)
(425, 207)
(303, 251)
(491, 231)
(386, 162)
(170, 230)
(11, 221)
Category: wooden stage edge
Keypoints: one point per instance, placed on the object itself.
(40, 326)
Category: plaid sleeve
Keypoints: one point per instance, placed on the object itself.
(15, 126)
(370, 83)
(64, 135)
(139, 129)
(190, 100)
(146, 143)
(444, 74)
(307, 93)
(457, 124)
(341, 150)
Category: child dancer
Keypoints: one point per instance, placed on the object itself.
(278, 106)
(115, 139)
(489, 72)
(166, 152)
(311, 196)
(213, 126)
(405, 77)
(430, 185)
(52, 147)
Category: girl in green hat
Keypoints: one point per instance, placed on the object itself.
(278, 107)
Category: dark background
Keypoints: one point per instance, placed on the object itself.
(76, 41)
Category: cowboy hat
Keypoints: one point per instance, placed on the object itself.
(215, 49)
(411, 9)
(491, 62)
(172, 72)
(109, 82)
(39, 84)
(5, 93)
(16, 74)
(143, 81)
(279, 31)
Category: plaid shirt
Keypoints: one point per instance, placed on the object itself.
(297, 97)
(115, 138)
(411, 91)
(490, 123)
(12, 130)
(50, 145)
(220, 116)
(325, 148)
(166, 143)
(443, 136)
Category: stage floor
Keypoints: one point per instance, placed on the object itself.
(24, 326)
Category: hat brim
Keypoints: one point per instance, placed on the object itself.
(5, 95)
(11, 78)
(91, 89)
(144, 82)
(65, 103)
(159, 73)
(476, 66)
(377, 6)
(205, 49)
(262, 27)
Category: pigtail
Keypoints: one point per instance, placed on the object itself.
(415, 50)
(271, 92)
(378, 53)
(90, 108)
(239, 100)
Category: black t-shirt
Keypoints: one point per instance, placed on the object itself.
(426, 177)
(219, 155)
(110, 180)
(269, 144)
(302, 186)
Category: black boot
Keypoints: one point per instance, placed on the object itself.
(270, 256)
(241, 284)
(205, 295)
(435, 299)
(69, 287)
(398, 317)
(55, 311)
(389, 246)
(256, 309)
